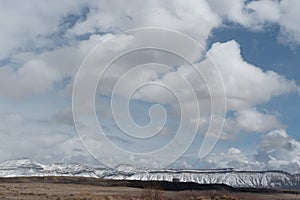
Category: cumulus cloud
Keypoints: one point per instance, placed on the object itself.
(253, 15)
(28, 25)
(289, 22)
(230, 158)
(32, 73)
(277, 150)
(251, 120)
(19, 133)
(34, 77)
(39, 139)
(192, 17)
(257, 15)
(246, 85)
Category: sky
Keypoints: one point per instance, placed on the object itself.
(167, 84)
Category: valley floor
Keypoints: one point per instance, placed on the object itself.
(32, 190)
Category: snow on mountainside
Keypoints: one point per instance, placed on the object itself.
(266, 179)
(19, 167)
(232, 178)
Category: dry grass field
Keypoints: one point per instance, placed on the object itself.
(41, 189)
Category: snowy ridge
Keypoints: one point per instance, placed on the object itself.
(256, 179)
(233, 178)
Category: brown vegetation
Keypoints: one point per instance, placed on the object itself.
(74, 188)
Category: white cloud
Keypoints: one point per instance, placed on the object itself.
(251, 120)
(39, 139)
(27, 25)
(231, 158)
(289, 22)
(279, 151)
(264, 11)
(276, 151)
(246, 85)
(233, 150)
(256, 15)
(36, 73)
(253, 15)
(34, 77)
(193, 17)
(20, 140)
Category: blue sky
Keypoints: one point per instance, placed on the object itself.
(254, 45)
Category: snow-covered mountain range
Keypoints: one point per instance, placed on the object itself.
(256, 179)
